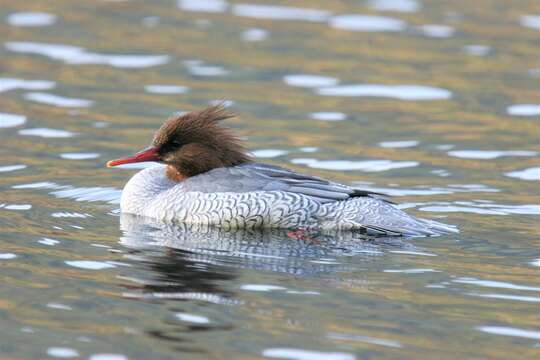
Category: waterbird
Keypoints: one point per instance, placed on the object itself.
(207, 177)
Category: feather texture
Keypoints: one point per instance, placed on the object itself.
(256, 195)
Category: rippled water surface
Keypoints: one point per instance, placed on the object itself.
(435, 103)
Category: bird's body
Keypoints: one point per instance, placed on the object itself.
(237, 193)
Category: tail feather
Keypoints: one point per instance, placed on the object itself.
(377, 217)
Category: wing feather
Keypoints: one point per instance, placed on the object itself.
(264, 177)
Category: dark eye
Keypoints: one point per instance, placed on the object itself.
(176, 143)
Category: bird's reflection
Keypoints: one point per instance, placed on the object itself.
(209, 250)
(201, 265)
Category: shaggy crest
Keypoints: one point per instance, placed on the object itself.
(195, 142)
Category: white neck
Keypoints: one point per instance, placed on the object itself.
(143, 187)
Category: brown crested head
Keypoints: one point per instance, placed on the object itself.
(194, 143)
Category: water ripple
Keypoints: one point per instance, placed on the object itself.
(530, 21)
(268, 153)
(9, 168)
(350, 165)
(47, 133)
(399, 144)
(300, 354)
(489, 154)
(437, 31)
(368, 23)
(31, 19)
(210, 6)
(494, 284)
(198, 68)
(510, 331)
(57, 100)
(11, 120)
(507, 297)
(394, 5)
(275, 12)
(78, 55)
(166, 89)
(309, 81)
(79, 156)
(62, 352)
(526, 174)
(366, 339)
(90, 265)
(254, 34)
(524, 110)
(328, 116)
(7, 84)
(400, 92)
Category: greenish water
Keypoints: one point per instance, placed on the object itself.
(444, 117)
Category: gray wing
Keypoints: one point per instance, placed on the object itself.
(264, 177)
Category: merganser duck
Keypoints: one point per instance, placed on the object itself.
(208, 178)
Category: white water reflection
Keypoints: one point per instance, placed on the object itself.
(209, 6)
(57, 100)
(47, 133)
(350, 165)
(411, 271)
(477, 50)
(309, 81)
(301, 354)
(400, 92)
(482, 209)
(437, 31)
(328, 116)
(261, 287)
(11, 120)
(191, 318)
(16, 207)
(59, 306)
(9, 168)
(524, 110)
(79, 156)
(90, 265)
(166, 89)
(31, 19)
(510, 331)
(268, 153)
(394, 5)
(526, 174)
(399, 144)
(426, 191)
(48, 242)
(368, 23)
(7, 84)
(96, 193)
(150, 21)
(77, 55)
(107, 356)
(91, 194)
(489, 154)
(275, 12)
(365, 339)
(507, 297)
(254, 34)
(62, 352)
(495, 284)
(198, 68)
(531, 21)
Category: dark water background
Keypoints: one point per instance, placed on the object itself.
(437, 103)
